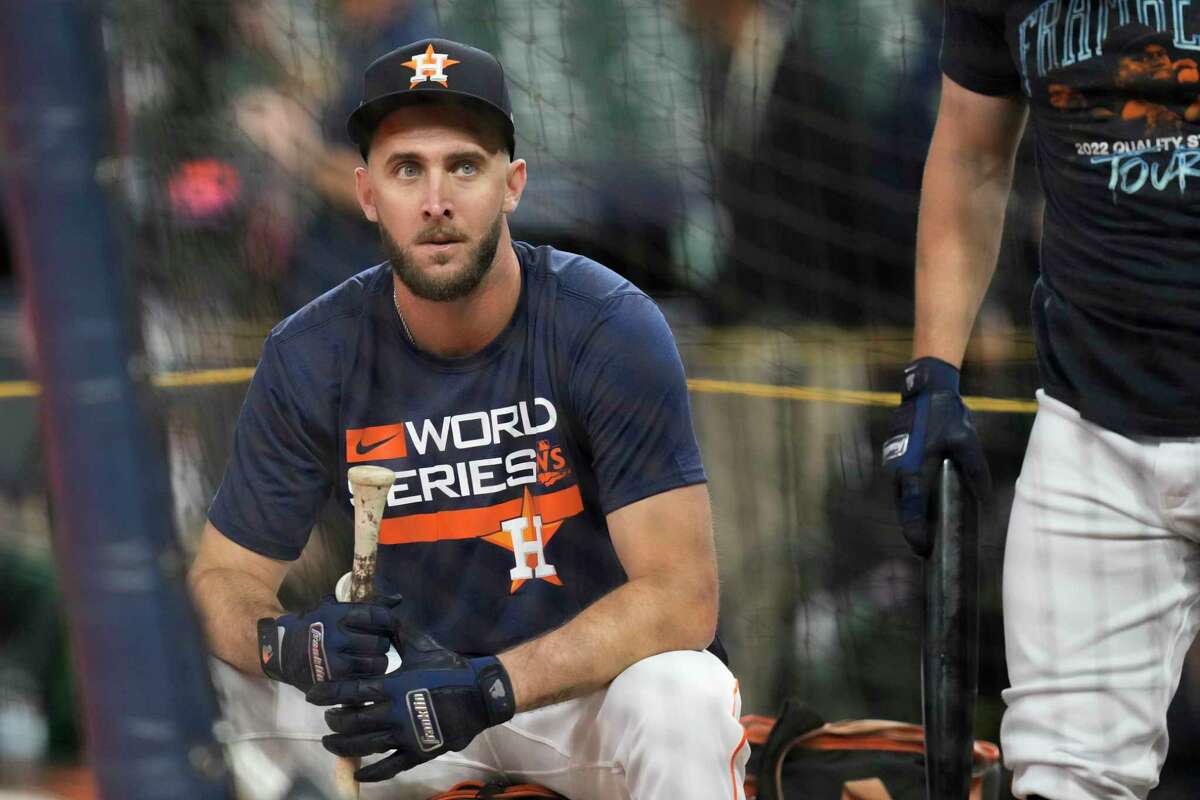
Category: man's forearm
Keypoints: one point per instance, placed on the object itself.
(958, 241)
(230, 604)
(638, 619)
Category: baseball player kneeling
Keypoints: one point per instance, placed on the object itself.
(548, 529)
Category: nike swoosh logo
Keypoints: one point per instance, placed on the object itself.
(362, 449)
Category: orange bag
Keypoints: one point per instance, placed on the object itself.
(801, 756)
(475, 790)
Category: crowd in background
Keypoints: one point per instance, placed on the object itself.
(760, 156)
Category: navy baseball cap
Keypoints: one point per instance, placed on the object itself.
(426, 70)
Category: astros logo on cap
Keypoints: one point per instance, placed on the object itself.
(429, 66)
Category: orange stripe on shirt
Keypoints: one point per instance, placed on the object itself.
(472, 523)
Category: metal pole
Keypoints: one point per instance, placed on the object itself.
(139, 657)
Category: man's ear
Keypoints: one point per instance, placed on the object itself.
(366, 195)
(514, 185)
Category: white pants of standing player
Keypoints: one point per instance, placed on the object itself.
(1101, 585)
(666, 727)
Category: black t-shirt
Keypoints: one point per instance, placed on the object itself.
(1113, 90)
(507, 461)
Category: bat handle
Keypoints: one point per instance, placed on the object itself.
(370, 485)
(950, 658)
(343, 778)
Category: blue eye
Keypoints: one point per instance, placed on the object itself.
(407, 170)
(468, 168)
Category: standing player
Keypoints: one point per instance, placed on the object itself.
(549, 525)
(1102, 567)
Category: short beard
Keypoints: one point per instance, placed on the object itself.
(452, 287)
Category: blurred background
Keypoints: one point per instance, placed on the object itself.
(753, 164)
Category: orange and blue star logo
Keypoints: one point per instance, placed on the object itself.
(429, 66)
(530, 548)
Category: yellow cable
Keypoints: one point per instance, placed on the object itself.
(203, 377)
(19, 389)
(816, 394)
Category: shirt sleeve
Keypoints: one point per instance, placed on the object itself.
(277, 479)
(628, 385)
(975, 54)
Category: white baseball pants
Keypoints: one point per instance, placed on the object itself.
(1101, 585)
(665, 727)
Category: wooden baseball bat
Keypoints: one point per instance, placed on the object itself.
(370, 485)
(950, 645)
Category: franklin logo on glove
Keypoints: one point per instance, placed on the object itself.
(420, 705)
(316, 651)
(895, 447)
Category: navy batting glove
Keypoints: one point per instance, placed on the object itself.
(931, 424)
(419, 713)
(334, 641)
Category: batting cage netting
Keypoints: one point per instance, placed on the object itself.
(754, 165)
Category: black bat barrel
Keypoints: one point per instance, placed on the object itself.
(950, 657)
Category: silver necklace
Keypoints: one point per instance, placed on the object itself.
(400, 314)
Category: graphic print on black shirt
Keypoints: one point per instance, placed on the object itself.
(1154, 92)
(1113, 90)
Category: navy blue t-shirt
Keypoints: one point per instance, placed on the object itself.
(577, 408)
(1113, 90)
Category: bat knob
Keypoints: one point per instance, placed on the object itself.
(341, 590)
(371, 475)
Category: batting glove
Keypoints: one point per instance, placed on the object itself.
(334, 641)
(931, 424)
(418, 712)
